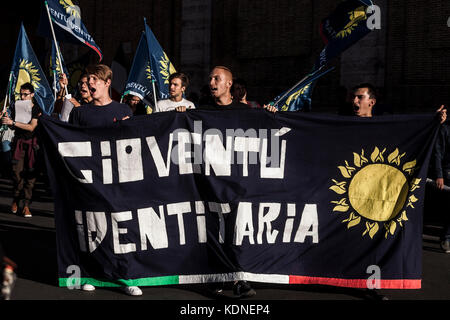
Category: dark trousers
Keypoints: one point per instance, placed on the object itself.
(445, 200)
(23, 177)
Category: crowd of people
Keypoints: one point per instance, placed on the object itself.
(92, 105)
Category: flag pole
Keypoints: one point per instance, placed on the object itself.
(8, 90)
(56, 43)
(154, 91)
(149, 57)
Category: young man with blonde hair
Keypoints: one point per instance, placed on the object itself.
(102, 111)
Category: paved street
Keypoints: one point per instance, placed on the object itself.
(31, 244)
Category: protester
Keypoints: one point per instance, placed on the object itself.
(24, 152)
(136, 105)
(101, 112)
(239, 92)
(364, 100)
(220, 83)
(178, 83)
(82, 94)
(441, 161)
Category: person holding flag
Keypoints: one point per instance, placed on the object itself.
(24, 149)
(82, 96)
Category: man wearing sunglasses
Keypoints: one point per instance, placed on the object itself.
(24, 148)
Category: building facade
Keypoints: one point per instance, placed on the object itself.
(272, 45)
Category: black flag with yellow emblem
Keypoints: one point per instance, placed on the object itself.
(345, 26)
(211, 196)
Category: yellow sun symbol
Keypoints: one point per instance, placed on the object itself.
(355, 18)
(27, 73)
(166, 68)
(149, 71)
(377, 190)
(70, 8)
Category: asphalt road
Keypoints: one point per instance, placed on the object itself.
(30, 242)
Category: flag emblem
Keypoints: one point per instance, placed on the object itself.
(149, 71)
(376, 190)
(355, 17)
(166, 68)
(293, 97)
(27, 73)
(70, 8)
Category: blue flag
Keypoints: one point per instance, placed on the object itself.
(67, 24)
(299, 96)
(57, 68)
(139, 81)
(160, 65)
(345, 26)
(26, 68)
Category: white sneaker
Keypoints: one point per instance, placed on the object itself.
(132, 291)
(88, 287)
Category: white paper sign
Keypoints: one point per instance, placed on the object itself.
(66, 109)
(23, 111)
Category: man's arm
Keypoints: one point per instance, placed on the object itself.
(438, 156)
(24, 126)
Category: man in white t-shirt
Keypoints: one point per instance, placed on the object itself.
(178, 82)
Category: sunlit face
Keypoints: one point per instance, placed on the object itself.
(176, 88)
(25, 94)
(362, 103)
(98, 88)
(220, 82)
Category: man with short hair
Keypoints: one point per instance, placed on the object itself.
(101, 112)
(82, 94)
(364, 100)
(24, 152)
(178, 83)
(220, 83)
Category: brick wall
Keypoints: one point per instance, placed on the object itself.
(271, 44)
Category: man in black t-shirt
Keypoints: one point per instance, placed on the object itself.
(24, 152)
(220, 82)
(102, 111)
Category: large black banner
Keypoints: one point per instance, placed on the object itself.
(209, 196)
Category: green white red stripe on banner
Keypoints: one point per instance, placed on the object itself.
(253, 277)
